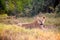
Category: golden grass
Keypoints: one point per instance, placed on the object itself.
(50, 19)
(13, 32)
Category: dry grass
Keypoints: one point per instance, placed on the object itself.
(13, 32)
(50, 19)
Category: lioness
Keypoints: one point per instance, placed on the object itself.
(39, 22)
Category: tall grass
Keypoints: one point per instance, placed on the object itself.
(50, 19)
(13, 32)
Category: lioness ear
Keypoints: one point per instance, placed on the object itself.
(44, 17)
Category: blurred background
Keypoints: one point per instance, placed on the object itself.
(29, 8)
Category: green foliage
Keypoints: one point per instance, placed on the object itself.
(2, 4)
(20, 5)
(33, 6)
(10, 5)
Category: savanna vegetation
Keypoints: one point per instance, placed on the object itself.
(26, 11)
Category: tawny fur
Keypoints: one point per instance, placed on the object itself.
(35, 24)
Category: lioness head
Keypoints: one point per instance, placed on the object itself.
(41, 20)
